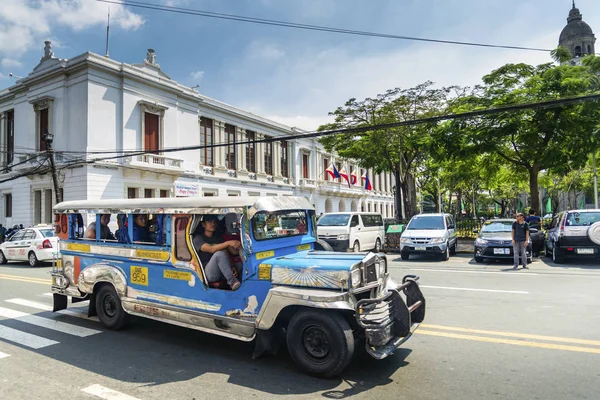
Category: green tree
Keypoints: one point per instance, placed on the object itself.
(397, 150)
(531, 139)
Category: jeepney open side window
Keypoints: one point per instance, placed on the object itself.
(182, 252)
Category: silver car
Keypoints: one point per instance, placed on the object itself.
(573, 233)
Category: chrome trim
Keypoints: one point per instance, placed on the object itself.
(230, 327)
(102, 273)
(281, 297)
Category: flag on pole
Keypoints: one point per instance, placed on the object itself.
(344, 174)
(368, 186)
(353, 177)
(332, 171)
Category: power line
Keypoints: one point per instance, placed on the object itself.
(286, 24)
(362, 129)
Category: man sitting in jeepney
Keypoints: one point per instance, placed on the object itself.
(105, 232)
(141, 228)
(213, 252)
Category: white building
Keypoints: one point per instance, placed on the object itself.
(92, 103)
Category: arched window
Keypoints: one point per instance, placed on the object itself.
(589, 49)
(328, 206)
(577, 51)
(342, 206)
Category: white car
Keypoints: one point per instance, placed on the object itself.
(34, 244)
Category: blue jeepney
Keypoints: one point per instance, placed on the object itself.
(321, 303)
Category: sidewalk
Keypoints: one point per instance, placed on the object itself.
(465, 246)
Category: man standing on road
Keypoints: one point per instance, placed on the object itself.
(520, 238)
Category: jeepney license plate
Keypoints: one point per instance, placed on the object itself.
(420, 248)
(585, 251)
(501, 251)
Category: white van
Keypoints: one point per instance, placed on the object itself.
(429, 234)
(354, 231)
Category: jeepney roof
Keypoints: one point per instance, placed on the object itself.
(185, 205)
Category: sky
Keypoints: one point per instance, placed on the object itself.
(292, 76)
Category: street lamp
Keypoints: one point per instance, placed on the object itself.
(48, 137)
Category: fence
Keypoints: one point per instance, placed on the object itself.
(465, 226)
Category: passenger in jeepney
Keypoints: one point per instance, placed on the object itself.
(215, 252)
(105, 232)
(141, 228)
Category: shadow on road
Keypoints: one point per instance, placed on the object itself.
(154, 353)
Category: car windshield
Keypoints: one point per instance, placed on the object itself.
(279, 224)
(426, 222)
(334, 220)
(47, 232)
(582, 219)
(497, 226)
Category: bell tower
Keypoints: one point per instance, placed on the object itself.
(577, 36)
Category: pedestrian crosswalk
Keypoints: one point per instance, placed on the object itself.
(21, 320)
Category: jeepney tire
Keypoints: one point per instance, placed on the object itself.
(32, 259)
(320, 244)
(3, 259)
(339, 342)
(109, 309)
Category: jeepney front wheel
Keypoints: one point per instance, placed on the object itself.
(320, 343)
(109, 308)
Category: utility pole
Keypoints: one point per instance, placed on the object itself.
(48, 139)
(595, 181)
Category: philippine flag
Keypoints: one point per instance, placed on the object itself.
(332, 171)
(353, 177)
(367, 181)
(344, 175)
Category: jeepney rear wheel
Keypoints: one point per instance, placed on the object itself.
(109, 308)
(320, 343)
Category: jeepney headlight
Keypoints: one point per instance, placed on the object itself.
(356, 277)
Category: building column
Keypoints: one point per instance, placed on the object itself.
(260, 154)
(219, 137)
(277, 159)
(240, 150)
(3, 139)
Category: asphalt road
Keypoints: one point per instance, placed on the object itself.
(490, 332)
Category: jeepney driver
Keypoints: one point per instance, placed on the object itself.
(213, 252)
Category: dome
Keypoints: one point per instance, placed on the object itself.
(576, 27)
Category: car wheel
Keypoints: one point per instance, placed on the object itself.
(377, 246)
(478, 259)
(405, 256)
(557, 258)
(453, 249)
(33, 261)
(3, 259)
(320, 244)
(320, 343)
(356, 247)
(109, 308)
(547, 251)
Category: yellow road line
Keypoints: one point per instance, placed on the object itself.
(25, 279)
(509, 341)
(513, 335)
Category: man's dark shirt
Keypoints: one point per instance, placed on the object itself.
(534, 220)
(199, 240)
(520, 231)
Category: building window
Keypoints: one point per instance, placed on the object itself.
(148, 193)
(206, 139)
(284, 159)
(151, 133)
(209, 194)
(10, 136)
(8, 205)
(578, 51)
(325, 166)
(37, 207)
(43, 120)
(251, 151)
(230, 155)
(589, 49)
(48, 206)
(132, 193)
(43, 125)
(164, 193)
(305, 159)
(268, 157)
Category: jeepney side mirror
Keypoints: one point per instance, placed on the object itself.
(244, 225)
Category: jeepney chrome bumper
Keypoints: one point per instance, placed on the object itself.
(389, 321)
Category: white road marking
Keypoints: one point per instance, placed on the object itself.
(78, 312)
(47, 323)
(47, 294)
(24, 338)
(511, 272)
(4, 355)
(106, 393)
(474, 290)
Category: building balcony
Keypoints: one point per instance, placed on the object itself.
(341, 189)
(308, 183)
(154, 162)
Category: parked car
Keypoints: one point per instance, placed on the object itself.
(573, 233)
(429, 234)
(356, 231)
(34, 244)
(494, 241)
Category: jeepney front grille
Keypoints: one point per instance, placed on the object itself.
(370, 273)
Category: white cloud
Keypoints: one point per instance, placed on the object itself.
(24, 23)
(9, 62)
(197, 75)
(263, 51)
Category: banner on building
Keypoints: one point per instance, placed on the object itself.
(187, 190)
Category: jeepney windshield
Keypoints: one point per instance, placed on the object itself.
(279, 224)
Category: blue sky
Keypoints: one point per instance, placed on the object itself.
(293, 76)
